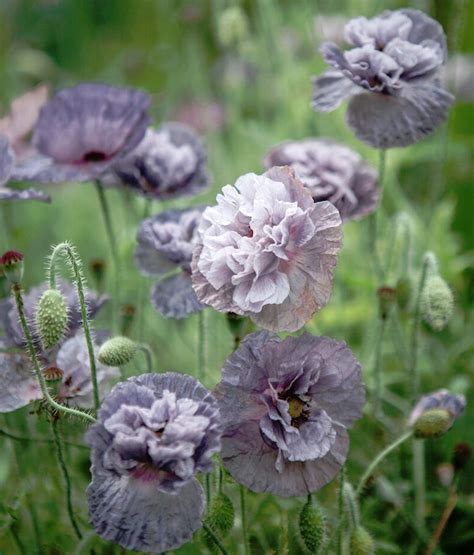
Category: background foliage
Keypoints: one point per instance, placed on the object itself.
(172, 49)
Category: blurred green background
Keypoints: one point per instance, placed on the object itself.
(246, 88)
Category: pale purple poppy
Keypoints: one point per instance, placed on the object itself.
(331, 171)
(154, 433)
(82, 131)
(168, 163)
(391, 76)
(267, 251)
(441, 399)
(18, 384)
(165, 244)
(286, 407)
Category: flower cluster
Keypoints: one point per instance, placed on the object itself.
(391, 75)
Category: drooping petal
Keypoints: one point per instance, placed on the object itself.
(330, 89)
(174, 297)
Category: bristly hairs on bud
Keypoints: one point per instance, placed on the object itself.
(433, 423)
(51, 318)
(361, 542)
(436, 302)
(220, 520)
(312, 527)
(117, 351)
(351, 505)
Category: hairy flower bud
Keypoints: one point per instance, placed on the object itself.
(232, 26)
(51, 317)
(12, 265)
(432, 423)
(362, 542)
(436, 303)
(312, 526)
(220, 519)
(117, 351)
(53, 374)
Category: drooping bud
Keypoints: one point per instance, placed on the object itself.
(51, 318)
(436, 302)
(232, 26)
(386, 297)
(312, 526)
(432, 423)
(220, 519)
(117, 351)
(12, 265)
(361, 542)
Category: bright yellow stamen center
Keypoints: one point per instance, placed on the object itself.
(295, 407)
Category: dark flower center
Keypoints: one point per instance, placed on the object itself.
(297, 409)
(94, 156)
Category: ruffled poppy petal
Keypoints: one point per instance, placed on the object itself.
(174, 297)
(330, 89)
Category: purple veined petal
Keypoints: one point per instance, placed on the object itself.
(137, 516)
(18, 384)
(6, 160)
(425, 28)
(330, 89)
(174, 297)
(385, 121)
(23, 194)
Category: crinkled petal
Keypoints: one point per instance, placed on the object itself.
(424, 28)
(43, 169)
(385, 121)
(330, 89)
(139, 517)
(174, 297)
(23, 194)
(18, 384)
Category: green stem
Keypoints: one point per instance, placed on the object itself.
(379, 458)
(244, 521)
(210, 532)
(340, 511)
(208, 489)
(378, 389)
(351, 504)
(67, 480)
(373, 220)
(201, 370)
(69, 252)
(419, 482)
(36, 366)
(39, 440)
(148, 356)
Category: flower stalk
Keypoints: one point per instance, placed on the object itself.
(244, 521)
(373, 219)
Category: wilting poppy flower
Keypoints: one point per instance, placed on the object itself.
(82, 131)
(154, 433)
(391, 75)
(332, 172)
(168, 163)
(267, 251)
(286, 406)
(165, 243)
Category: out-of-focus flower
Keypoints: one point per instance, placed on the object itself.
(332, 172)
(154, 433)
(286, 406)
(204, 117)
(7, 159)
(18, 384)
(82, 131)
(232, 26)
(392, 75)
(165, 243)
(267, 251)
(435, 413)
(330, 28)
(458, 76)
(169, 162)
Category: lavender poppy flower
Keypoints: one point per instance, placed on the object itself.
(286, 406)
(154, 433)
(82, 131)
(391, 75)
(18, 384)
(332, 172)
(168, 163)
(267, 251)
(441, 399)
(165, 243)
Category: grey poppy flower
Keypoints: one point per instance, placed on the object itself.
(267, 251)
(332, 172)
(9, 316)
(392, 76)
(6, 164)
(18, 384)
(82, 131)
(286, 406)
(168, 163)
(165, 243)
(154, 433)
(441, 399)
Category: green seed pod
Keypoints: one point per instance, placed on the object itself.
(117, 351)
(51, 318)
(362, 542)
(436, 303)
(312, 525)
(433, 423)
(220, 519)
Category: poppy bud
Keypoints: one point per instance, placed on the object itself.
(12, 265)
(432, 423)
(220, 519)
(362, 542)
(117, 351)
(436, 303)
(51, 318)
(312, 525)
(435, 413)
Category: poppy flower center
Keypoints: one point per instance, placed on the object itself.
(94, 156)
(295, 407)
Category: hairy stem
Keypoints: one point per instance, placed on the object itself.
(69, 252)
(67, 480)
(244, 521)
(214, 538)
(419, 482)
(36, 366)
(378, 389)
(373, 220)
(340, 512)
(148, 356)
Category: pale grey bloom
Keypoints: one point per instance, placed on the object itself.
(286, 407)
(391, 75)
(154, 433)
(267, 251)
(332, 172)
(18, 384)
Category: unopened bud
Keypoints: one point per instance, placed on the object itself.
(432, 423)
(51, 318)
(220, 519)
(53, 374)
(232, 26)
(435, 413)
(436, 303)
(12, 265)
(312, 526)
(386, 297)
(361, 542)
(117, 351)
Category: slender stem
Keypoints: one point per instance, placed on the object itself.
(39, 440)
(67, 480)
(16, 538)
(208, 489)
(419, 482)
(373, 219)
(378, 389)
(379, 458)
(244, 521)
(450, 506)
(148, 356)
(36, 366)
(214, 538)
(201, 370)
(221, 479)
(340, 512)
(351, 504)
(65, 249)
